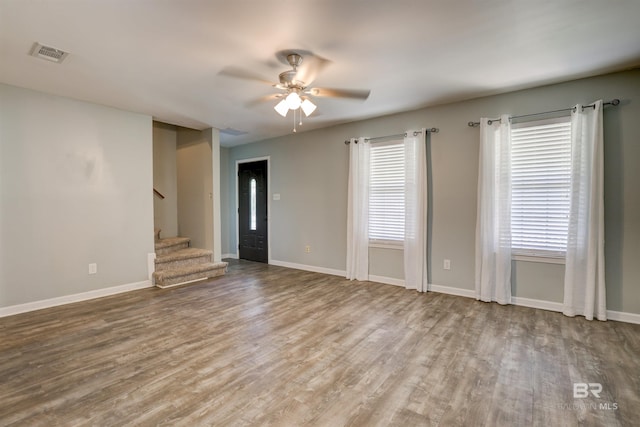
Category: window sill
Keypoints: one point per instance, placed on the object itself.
(394, 246)
(538, 258)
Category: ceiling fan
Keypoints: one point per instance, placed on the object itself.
(295, 84)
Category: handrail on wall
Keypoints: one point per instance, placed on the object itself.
(157, 193)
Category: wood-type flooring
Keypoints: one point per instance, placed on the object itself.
(267, 345)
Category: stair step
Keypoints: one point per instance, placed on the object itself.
(170, 244)
(183, 258)
(191, 273)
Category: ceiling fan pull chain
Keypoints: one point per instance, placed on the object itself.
(294, 121)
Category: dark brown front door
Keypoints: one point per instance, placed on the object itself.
(252, 211)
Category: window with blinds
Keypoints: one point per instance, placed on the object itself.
(386, 193)
(541, 175)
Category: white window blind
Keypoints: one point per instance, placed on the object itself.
(541, 174)
(386, 192)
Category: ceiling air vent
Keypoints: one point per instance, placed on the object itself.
(233, 132)
(49, 53)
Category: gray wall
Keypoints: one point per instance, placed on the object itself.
(75, 188)
(195, 187)
(309, 170)
(309, 173)
(165, 211)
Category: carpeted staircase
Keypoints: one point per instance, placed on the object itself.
(179, 264)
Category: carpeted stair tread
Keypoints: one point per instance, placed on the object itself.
(171, 241)
(182, 254)
(179, 276)
(190, 269)
(177, 263)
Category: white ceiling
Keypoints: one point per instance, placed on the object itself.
(163, 57)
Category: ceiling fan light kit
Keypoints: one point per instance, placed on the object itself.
(293, 87)
(293, 101)
(282, 108)
(296, 84)
(308, 107)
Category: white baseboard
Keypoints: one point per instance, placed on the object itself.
(312, 268)
(386, 280)
(619, 316)
(524, 302)
(468, 293)
(537, 303)
(68, 299)
(622, 316)
(232, 256)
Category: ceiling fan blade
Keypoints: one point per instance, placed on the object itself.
(263, 99)
(241, 73)
(310, 67)
(339, 93)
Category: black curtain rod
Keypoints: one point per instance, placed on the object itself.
(612, 102)
(403, 135)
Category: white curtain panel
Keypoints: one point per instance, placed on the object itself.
(358, 211)
(415, 226)
(584, 283)
(493, 224)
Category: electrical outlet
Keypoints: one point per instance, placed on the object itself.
(93, 268)
(307, 249)
(447, 264)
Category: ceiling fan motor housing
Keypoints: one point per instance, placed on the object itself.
(294, 60)
(287, 78)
